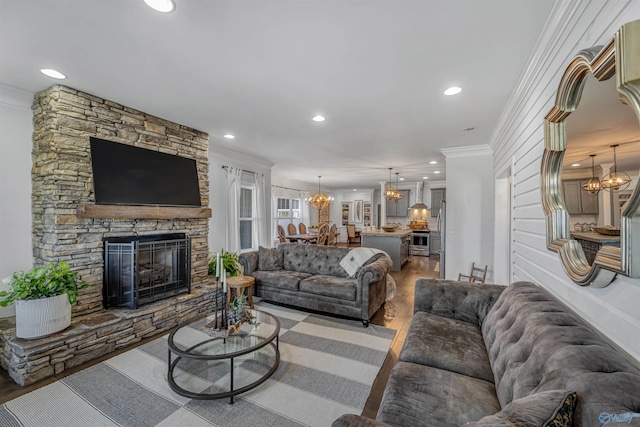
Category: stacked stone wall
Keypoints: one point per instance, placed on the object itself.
(64, 120)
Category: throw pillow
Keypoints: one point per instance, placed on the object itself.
(552, 408)
(270, 259)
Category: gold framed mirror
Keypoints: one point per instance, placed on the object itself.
(619, 58)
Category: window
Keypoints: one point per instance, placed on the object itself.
(247, 217)
(287, 211)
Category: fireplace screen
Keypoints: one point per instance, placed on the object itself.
(142, 269)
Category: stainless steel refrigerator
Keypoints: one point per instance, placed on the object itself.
(442, 227)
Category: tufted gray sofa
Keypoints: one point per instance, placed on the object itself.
(310, 276)
(487, 355)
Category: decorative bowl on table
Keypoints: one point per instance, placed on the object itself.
(607, 230)
(389, 228)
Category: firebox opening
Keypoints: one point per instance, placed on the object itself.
(142, 269)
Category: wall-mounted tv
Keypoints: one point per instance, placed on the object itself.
(128, 175)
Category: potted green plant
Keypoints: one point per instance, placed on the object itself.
(43, 298)
(229, 261)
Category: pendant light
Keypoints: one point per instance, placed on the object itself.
(319, 201)
(616, 181)
(398, 195)
(593, 186)
(390, 193)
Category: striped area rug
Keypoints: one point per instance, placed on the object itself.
(326, 369)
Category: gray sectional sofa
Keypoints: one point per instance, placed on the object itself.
(486, 355)
(310, 276)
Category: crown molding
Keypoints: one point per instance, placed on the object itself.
(13, 97)
(468, 151)
(238, 157)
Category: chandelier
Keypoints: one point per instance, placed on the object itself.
(390, 193)
(593, 186)
(615, 181)
(319, 201)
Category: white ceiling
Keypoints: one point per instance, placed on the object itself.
(261, 69)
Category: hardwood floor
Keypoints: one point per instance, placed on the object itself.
(402, 301)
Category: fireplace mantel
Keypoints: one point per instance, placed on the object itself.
(141, 212)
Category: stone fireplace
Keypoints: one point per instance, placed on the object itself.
(69, 226)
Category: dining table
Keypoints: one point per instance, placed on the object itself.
(307, 238)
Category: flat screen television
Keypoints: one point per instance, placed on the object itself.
(128, 175)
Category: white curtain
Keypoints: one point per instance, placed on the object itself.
(305, 216)
(261, 235)
(234, 181)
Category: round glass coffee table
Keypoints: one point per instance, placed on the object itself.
(202, 367)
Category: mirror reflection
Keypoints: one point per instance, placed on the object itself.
(602, 132)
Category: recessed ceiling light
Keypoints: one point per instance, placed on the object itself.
(436, 172)
(318, 118)
(401, 179)
(229, 136)
(433, 162)
(454, 90)
(164, 6)
(425, 177)
(575, 165)
(355, 189)
(53, 73)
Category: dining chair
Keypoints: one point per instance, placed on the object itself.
(291, 229)
(333, 235)
(281, 237)
(323, 234)
(353, 236)
(302, 228)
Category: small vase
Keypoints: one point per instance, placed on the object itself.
(40, 317)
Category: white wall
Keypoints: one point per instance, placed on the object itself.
(469, 213)
(574, 25)
(349, 196)
(218, 157)
(15, 183)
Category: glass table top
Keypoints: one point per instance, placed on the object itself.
(193, 341)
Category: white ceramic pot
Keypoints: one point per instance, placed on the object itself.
(39, 317)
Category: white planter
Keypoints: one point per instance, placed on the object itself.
(39, 317)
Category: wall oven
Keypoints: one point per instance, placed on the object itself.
(420, 243)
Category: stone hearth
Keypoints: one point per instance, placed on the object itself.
(96, 334)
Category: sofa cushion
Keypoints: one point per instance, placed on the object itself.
(537, 344)
(270, 259)
(282, 279)
(549, 408)
(418, 395)
(330, 286)
(446, 343)
(314, 259)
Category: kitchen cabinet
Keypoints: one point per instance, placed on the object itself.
(577, 200)
(346, 213)
(434, 244)
(401, 207)
(437, 196)
(367, 214)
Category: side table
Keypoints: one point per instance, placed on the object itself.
(239, 283)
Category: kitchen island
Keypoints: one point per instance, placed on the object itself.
(394, 243)
(591, 243)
